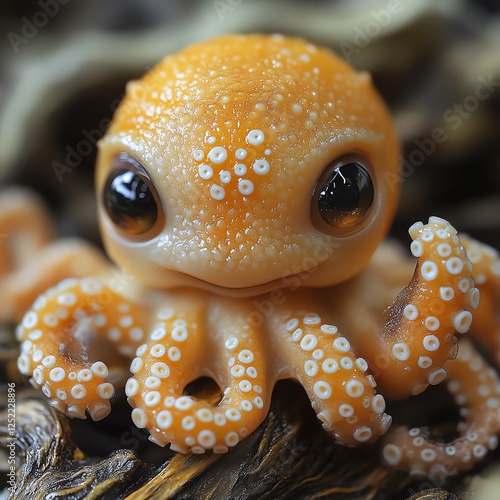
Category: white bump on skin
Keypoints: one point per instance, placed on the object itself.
(78, 391)
(261, 167)
(473, 297)
(416, 248)
(57, 374)
(329, 329)
(67, 299)
(309, 342)
(437, 376)
(446, 293)
(85, 375)
(341, 344)
(354, 388)
(152, 382)
(50, 361)
(232, 439)
(217, 192)
(90, 286)
(330, 365)
(231, 343)
(206, 438)
(205, 171)
(245, 186)
(255, 137)
(462, 321)
(30, 319)
(131, 387)
(378, 404)
(431, 343)
(179, 333)
(157, 351)
(139, 418)
(218, 154)
(361, 364)
(198, 154)
(237, 371)
(160, 370)
(411, 312)
(246, 356)
(233, 415)
(444, 250)
(164, 419)
(346, 363)
(392, 454)
(225, 176)
(429, 270)
(35, 335)
(174, 354)
(432, 323)
(240, 169)
(362, 434)
(158, 333)
(184, 403)
(106, 390)
(346, 410)
(311, 368)
(424, 362)
(136, 365)
(427, 235)
(454, 265)
(428, 455)
(297, 334)
(141, 350)
(322, 389)
(241, 154)
(401, 351)
(291, 324)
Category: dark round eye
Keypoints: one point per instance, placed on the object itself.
(343, 195)
(129, 196)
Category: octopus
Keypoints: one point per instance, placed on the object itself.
(245, 189)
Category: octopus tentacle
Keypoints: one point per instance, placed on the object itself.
(55, 344)
(486, 272)
(476, 390)
(175, 354)
(55, 262)
(419, 335)
(337, 382)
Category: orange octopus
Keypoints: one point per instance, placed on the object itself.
(245, 186)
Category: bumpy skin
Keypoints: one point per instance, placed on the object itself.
(241, 283)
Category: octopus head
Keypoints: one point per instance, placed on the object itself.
(244, 164)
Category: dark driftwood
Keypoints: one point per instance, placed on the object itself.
(289, 456)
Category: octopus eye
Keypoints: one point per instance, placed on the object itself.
(129, 196)
(343, 195)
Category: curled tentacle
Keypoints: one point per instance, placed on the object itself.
(486, 272)
(419, 335)
(476, 389)
(56, 334)
(177, 352)
(337, 382)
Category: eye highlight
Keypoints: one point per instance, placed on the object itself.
(343, 195)
(129, 197)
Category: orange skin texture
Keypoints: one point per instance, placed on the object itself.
(237, 281)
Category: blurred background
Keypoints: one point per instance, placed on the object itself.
(65, 63)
